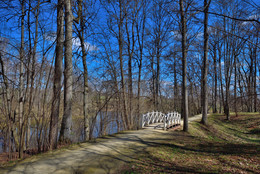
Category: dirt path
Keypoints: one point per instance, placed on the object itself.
(196, 117)
(104, 156)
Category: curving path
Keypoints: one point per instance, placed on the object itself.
(103, 156)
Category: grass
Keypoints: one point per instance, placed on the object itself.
(220, 147)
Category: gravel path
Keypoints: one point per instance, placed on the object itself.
(104, 156)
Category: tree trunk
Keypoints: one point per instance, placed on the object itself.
(130, 49)
(255, 74)
(84, 60)
(185, 111)
(21, 85)
(175, 88)
(53, 132)
(235, 85)
(216, 80)
(65, 132)
(157, 82)
(140, 43)
(204, 96)
(120, 43)
(153, 83)
(8, 107)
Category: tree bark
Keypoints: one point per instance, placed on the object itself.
(204, 96)
(185, 111)
(130, 49)
(141, 44)
(120, 44)
(235, 85)
(53, 132)
(175, 88)
(66, 125)
(21, 85)
(215, 79)
(8, 107)
(85, 75)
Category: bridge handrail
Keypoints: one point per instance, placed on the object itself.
(169, 119)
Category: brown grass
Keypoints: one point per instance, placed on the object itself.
(220, 147)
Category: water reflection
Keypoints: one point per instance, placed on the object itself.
(105, 123)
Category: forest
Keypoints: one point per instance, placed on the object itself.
(75, 70)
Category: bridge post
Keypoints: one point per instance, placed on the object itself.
(142, 121)
(164, 122)
(175, 118)
(171, 119)
(148, 118)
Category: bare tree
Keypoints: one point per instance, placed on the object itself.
(53, 133)
(204, 91)
(185, 110)
(85, 74)
(120, 44)
(65, 132)
(21, 86)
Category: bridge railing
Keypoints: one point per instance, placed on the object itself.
(168, 120)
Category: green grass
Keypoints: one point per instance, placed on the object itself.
(220, 147)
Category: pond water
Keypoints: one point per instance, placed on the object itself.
(1, 145)
(108, 119)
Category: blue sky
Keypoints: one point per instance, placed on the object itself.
(10, 29)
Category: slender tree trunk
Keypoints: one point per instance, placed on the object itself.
(153, 83)
(185, 110)
(53, 132)
(21, 85)
(216, 79)
(8, 107)
(85, 75)
(255, 74)
(227, 67)
(221, 101)
(65, 133)
(120, 43)
(130, 49)
(175, 88)
(204, 88)
(235, 85)
(139, 91)
(141, 43)
(28, 80)
(157, 82)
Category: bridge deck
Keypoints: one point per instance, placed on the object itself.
(158, 126)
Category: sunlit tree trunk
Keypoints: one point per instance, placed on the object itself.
(120, 44)
(53, 132)
(21, 84)
(66, 125)
(204, 96)
(140, 39)
(215, 79)
(185, 111)
(175, 87)
(85, 75)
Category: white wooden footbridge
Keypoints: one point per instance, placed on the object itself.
(165, 121)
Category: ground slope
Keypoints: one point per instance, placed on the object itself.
(221, 147)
